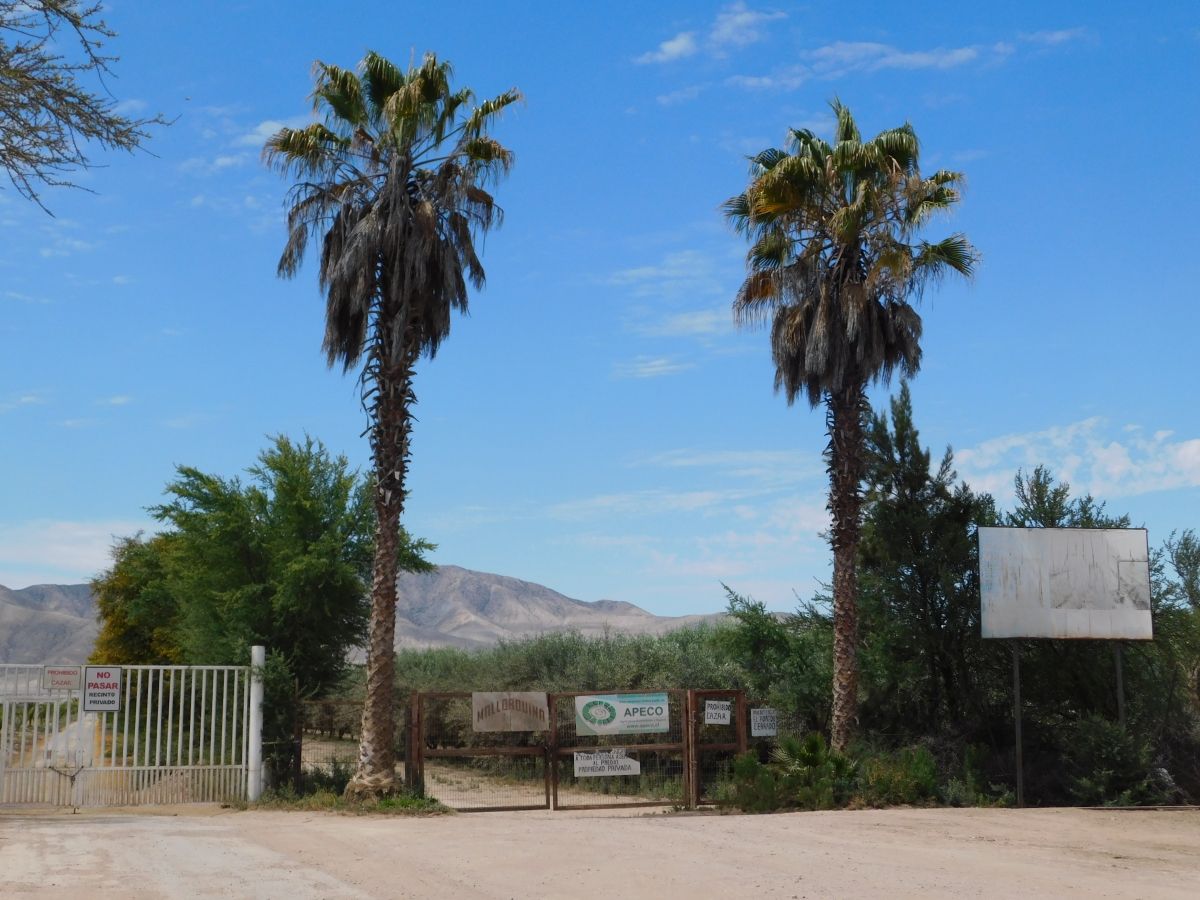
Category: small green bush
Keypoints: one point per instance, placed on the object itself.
(907, 776)
(1110, 766)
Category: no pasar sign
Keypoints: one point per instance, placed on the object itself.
(102, 689)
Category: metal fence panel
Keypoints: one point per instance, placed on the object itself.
(661, 757)
(715, 744)
(474, 771)
(180, 737)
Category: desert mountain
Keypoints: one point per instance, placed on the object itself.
(56, 623)
(459, 607)
(47, 623)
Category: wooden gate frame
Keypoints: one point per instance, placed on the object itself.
(695, 699)
(690, 747)
(419, 752)
(554, 752)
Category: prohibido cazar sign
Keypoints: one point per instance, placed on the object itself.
(102, 689)
(622, 714)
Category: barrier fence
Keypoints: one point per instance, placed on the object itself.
(571, 751)
(178, 735)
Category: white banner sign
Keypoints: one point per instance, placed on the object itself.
(762, 723)
(102, 689)
(605, 762)
(509, 711)
(62, 678)
(622, 714)
(716, 712)
(1083, 583)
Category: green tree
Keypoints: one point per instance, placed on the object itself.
(136, 608)
(918, 582)
(393, 184)
(47, 115)
(835, 263)
(280, 561)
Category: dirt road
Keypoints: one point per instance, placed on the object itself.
(206, 852)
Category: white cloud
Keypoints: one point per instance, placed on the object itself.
(683, 275)
(47, 551)
(1051, 38)
(843, 57)
(740, 26)
(681, 96)
(769, 467)
(122, 279)
(117, 401)
(646, 503)
(678, 47)
(786, 79)
(257, 136)
(125, 107)
(700, 323)
(649, 367)
(1087, 455)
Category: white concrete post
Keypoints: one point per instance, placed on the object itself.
(258, 658)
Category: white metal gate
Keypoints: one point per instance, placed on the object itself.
(181, 736)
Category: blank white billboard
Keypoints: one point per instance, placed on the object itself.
(1084, 583)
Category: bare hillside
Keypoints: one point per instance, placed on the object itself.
(47, 623)
(460, 607)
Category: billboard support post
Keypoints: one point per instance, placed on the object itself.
(1017, 723)
(1120, 683)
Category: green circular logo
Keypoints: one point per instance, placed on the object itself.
(599, 712)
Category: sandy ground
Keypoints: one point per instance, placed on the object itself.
(209, 852)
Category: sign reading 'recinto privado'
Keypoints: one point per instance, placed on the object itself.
(102, 689)
(509, 711)
(622, 714)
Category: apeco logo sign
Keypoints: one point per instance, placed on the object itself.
(599, 712)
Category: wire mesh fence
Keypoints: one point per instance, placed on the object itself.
(471, 770)
(619, 768)
(719, 724)
(328, 733)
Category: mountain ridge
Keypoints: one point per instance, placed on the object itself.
(450, 607)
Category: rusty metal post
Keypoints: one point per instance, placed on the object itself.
(740, 704)
(297, 741)
(1120, 683)
(552, 754)
(1017, 723)
(691, 774)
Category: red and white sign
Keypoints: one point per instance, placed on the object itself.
(61, 678)
(102, 689)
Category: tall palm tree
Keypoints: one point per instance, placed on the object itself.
(835, 265)
(393, 183)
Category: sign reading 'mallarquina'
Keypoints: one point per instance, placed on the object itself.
(509, 711)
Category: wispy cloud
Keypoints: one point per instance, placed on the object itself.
(116, 401)
(681, 96)
(786, 79)
(736, 26)
(739, 27)
(1052, 38)
(681, 46)
(843, 57)
(257, 136)
(682, 275)
(45, 550)
(23, 400)
(1089, 456)
(771, 468)
(650, 367)
(705, 322)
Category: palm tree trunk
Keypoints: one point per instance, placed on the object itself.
(844, 420)
(390, 442)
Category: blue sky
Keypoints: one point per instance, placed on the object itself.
(597, 424)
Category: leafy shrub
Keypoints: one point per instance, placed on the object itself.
(334, 780)
(905, 777)
(805, 774)
(1110, 766)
